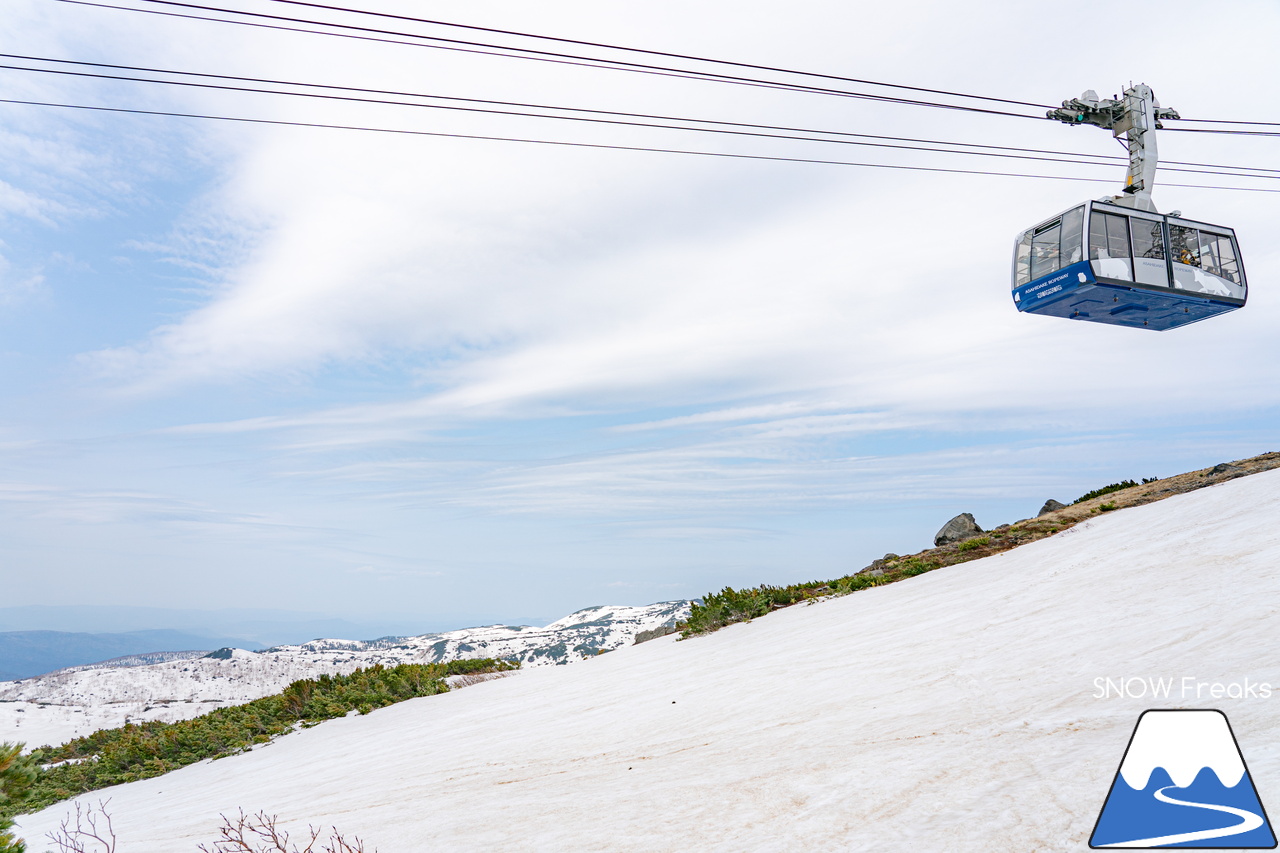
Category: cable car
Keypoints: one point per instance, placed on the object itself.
(1117, 260)
(1106, 263)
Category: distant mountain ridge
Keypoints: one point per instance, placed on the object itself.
(144, 659)
(24, 654)
(266, 626)
(77, 701)
(578, 635)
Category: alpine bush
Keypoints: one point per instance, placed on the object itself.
(142, 750)
(18, 773)
(1106, 490)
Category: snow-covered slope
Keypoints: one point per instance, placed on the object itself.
(955, 711)
(56, 707)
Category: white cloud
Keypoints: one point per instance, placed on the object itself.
(16, 289)
(670, 347)
(17, 202)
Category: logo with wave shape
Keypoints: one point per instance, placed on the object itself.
(1183, 783)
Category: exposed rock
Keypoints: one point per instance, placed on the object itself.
(961, 527)
(655, 633)
(1224, 468)
(878, 567)
(1050, 506)
(1004, 526)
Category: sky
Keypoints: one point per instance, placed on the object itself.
(440, 381)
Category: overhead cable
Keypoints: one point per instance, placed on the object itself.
(645, 51)
(597, 145)
(1225, 132)
(597, 62)
(1225, 121)
(1070, 158)
(595, 116)
(593, 62)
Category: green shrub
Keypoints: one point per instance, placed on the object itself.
(974, 543)
(853, 583)
(1106, 507)
(140, 751)
(1106, 490)
(718, 609)
(913, 566)
(730, 605)
(18, 773)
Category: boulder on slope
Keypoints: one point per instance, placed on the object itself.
(1050, 506)
(961, 527)
(878, 567)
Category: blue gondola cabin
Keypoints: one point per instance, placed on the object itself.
(1106, 263)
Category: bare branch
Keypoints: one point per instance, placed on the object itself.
(92, 824)
(260, 833)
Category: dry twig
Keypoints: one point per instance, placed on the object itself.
(259, 833)
(91, 825)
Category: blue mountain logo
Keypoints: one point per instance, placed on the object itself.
(1183, 783)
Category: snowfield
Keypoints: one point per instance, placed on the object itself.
(955, 711)
(54, 708)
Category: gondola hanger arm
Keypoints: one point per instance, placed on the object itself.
(1135, 116)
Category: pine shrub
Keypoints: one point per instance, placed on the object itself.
(1106, 490)
(18, 773)
(143, 750)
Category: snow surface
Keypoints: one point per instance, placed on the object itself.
(954, 711)
(54, 708)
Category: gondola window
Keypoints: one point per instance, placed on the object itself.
(1109, 246)
(1045, 250)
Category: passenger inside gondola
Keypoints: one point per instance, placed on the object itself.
(1204, 262)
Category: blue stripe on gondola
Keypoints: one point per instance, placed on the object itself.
(1054, 286)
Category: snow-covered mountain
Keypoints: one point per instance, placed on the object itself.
(69, 703)
(576, 636)
(954, 711)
